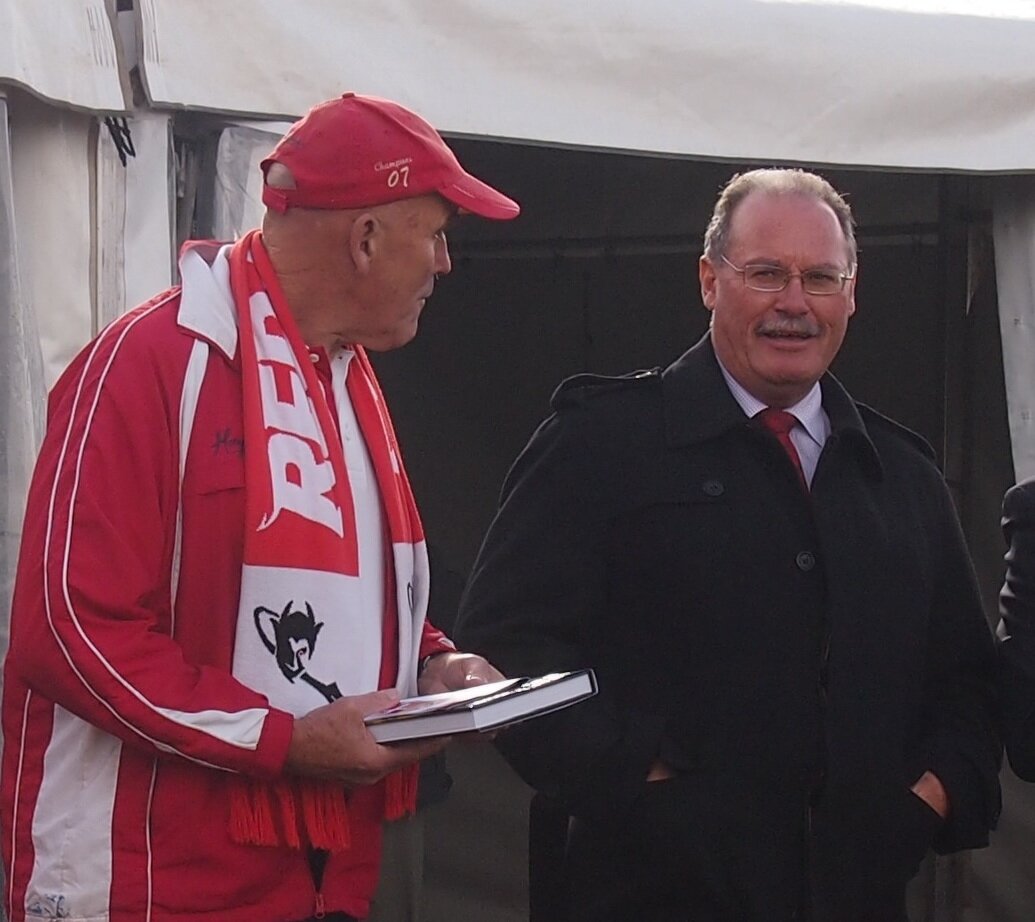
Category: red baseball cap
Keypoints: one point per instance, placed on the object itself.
(359, 151)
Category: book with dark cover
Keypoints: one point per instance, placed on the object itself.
(480, 707)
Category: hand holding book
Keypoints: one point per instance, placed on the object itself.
(480, 707)
(330, 742)
(451, 670)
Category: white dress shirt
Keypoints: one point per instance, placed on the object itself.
(809, 436)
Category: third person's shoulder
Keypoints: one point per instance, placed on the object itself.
(1020, 499)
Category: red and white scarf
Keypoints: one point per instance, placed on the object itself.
(302, 637)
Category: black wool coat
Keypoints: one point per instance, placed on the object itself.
(798, 659)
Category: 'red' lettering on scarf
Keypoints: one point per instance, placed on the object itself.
(302, 497)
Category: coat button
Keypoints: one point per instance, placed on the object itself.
(805, 560)
(713, 487)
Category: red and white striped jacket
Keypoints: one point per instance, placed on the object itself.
(121, 719)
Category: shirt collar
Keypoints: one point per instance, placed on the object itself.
(206, 302)
(808, 411)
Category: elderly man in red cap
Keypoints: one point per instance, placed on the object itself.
(223, 569)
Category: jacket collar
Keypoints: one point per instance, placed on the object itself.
(698, 406)
(206, 303)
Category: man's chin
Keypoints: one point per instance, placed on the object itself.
(792, 362)
(396, 339)
(791, 381)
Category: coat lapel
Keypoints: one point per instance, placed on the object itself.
(698, 406)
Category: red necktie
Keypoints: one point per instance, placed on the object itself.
(780, 423)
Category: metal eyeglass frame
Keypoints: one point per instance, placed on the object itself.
(742, 271)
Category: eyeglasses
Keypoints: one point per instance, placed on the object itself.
(760, 277)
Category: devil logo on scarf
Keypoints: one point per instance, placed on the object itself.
(291, 637)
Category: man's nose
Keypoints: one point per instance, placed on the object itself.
(443, 264)
(792, 298)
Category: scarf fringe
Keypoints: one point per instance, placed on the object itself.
(401, 793)
(267, 813)
(302, 812)
(251, 814)
(326, 818)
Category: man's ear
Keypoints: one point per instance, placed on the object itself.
(364, 240)
(706, 273)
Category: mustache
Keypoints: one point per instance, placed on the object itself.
(788, 326)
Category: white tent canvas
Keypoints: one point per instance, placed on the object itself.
(909, 84)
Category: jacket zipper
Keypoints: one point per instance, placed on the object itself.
(320, 910)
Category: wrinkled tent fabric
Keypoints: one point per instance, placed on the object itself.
(818, 82)
(50, 158)
(62, 51)
(237, 205)
(1013, 227)
(134, 255)
(22, 392)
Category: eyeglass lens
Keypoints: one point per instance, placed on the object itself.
(776, 278)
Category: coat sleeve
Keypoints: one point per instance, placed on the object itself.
(536, 587)
(92, 625)
(962, 744)
(1016, 631)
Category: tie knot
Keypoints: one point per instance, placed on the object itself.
(779, 422)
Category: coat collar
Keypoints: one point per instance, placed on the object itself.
(698, 405)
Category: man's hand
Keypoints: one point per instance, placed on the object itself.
(930, 790)
(450, 671)
(333, 742)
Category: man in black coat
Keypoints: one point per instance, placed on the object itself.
(1017, 628)
(796, 676)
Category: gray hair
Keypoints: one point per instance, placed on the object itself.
(774, 181)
